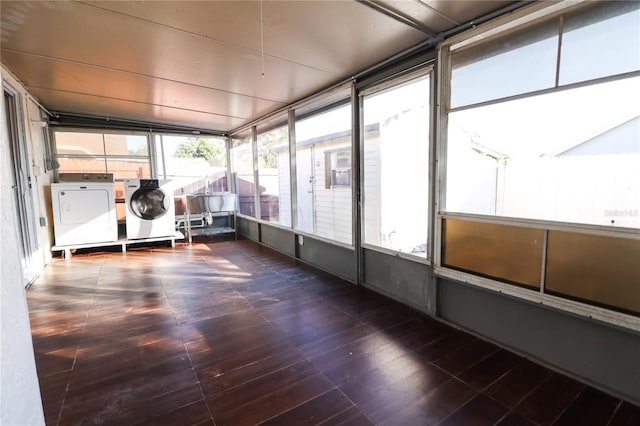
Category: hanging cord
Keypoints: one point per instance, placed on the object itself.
(262, 38)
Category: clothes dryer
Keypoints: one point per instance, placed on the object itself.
(84, 210)
(150, 208)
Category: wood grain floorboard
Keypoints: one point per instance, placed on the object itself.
(233, 333)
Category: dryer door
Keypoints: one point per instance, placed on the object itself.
(79, 206)
(149, 204)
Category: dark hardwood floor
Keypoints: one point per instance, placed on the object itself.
(232, 333)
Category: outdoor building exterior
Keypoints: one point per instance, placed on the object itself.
(326, 211)
(603, 168)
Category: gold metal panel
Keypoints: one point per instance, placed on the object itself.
(597, 268)
(506, 252)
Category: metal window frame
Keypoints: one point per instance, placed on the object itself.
(245, 136)
(276, 122)
(150, 157)
(159, 157)
(256, 173)
(582, 309)
(333, 98)
(500, 27)
(425, 70)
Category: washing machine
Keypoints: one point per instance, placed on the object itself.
(84, 209)
(150, 208)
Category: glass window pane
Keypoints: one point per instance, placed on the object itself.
(582, 165)
(73, 143)
(242, 163)
(82, 165)
(129, 168)
(512, 65)
(273, 175)
(121, 144)
(396, 167)
(324, 196)
(601, 41)
(196, 165)
(130, 158)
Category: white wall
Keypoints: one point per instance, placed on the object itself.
(599, 189)
(332, 205)
(595, 189)
(20, 402)
(41, 180)
(471, 176)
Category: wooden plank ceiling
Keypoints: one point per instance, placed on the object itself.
(211, 65)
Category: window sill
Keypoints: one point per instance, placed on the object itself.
(582, 310)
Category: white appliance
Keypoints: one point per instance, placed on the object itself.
(84, 209)
(150, 208)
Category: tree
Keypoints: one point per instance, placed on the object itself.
(211, 150)
(269, 140)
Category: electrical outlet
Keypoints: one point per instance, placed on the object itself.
(300, 240)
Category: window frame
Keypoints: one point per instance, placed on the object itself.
(240, 138)
(339, 97)
(104, 156)
(527, 16)
(279, 122)
(160, 157)
(330, 172)
(424, 71)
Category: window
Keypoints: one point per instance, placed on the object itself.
(612, 29)
(569, 154)
(548, 162)
(522, 63)
(323, 167)
(196, 165)
(242, 173)
(396, 166)
(126, 155)
(273, 174)
(337, 168)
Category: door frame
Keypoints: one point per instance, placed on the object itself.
(21, 180)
